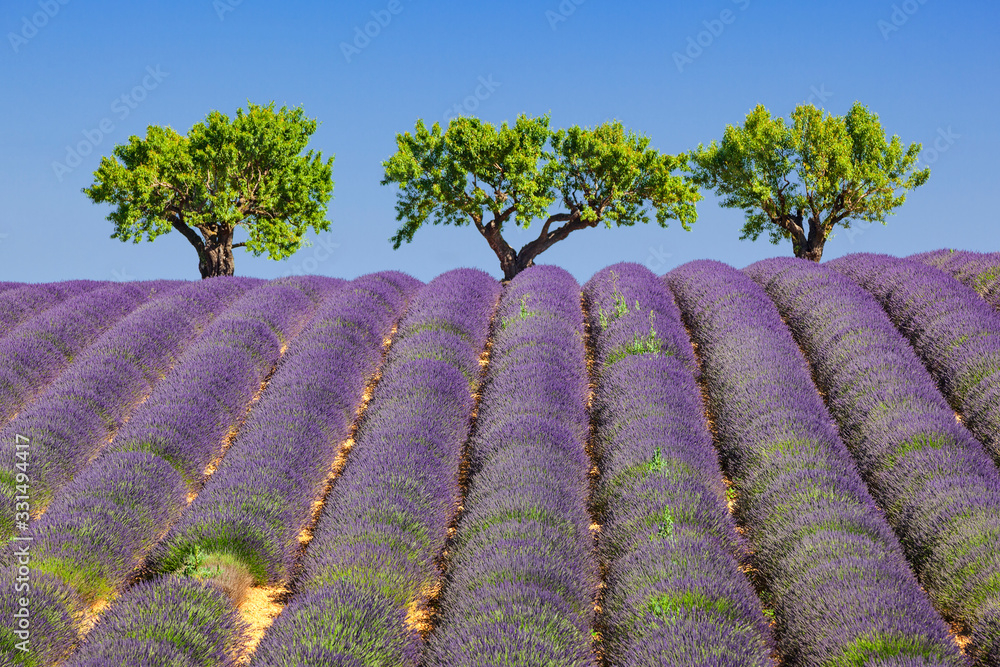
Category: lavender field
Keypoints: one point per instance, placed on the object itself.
(789, 464)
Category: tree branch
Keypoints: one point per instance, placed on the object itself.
(188, 233)
(546, 239)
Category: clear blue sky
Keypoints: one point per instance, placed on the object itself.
(929, 68)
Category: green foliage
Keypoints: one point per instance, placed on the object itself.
(621, 308)
(490, 176)
(665, 525)
(657, 463)
(473, 168)
(986, 279)
(866, 649)
(824, 168)
(668, 606)
(648, 344)
(246, 171)
(522, 315)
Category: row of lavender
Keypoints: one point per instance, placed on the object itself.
(372, 559)
(978, 270)
(521, 578)
(22, 303)
(932, 479)
(674, 594)
(954, 331)
(303, 415)
(35, 350)
(71, 421)
(829, 564)
(103, 523)
(972, 551)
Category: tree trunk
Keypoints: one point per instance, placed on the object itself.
(812, 248)
(513, 263)
(216, 259)
(814, 254)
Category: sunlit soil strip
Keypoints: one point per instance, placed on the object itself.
(92, 613)
(90, 616)
(597, 634)
(227, 442)
(420, 611)
(961, 635)
(262, 604)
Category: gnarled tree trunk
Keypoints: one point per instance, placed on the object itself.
(216, 260)
(811, 247)
(215, 255)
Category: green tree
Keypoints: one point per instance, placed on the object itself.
(475, 172)
(249, 171)
(800, 180)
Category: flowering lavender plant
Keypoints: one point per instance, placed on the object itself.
(36, 352)
(521, 580)
(953, 330)
(74, 418)
(810, 521)
(674, 592)
(374, 550)
(932, 479)
(258, 500)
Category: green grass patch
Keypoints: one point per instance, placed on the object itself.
(87, 579)
(915, 444)
(669, 606)
(865, 649)
(522, 315)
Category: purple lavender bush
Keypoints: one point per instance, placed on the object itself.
(47, 633)
(36, 352)
(373, 552)
(522, 578)
(23, 303)
(259, 499)
(932, 479)
(74, 418)
(978, 270)
(165, 622)
(674, 593)
(953, 330)
(829, 564)
(105, 521)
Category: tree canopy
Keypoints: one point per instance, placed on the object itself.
(802, 179)
(492, 176)
(249, 171)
